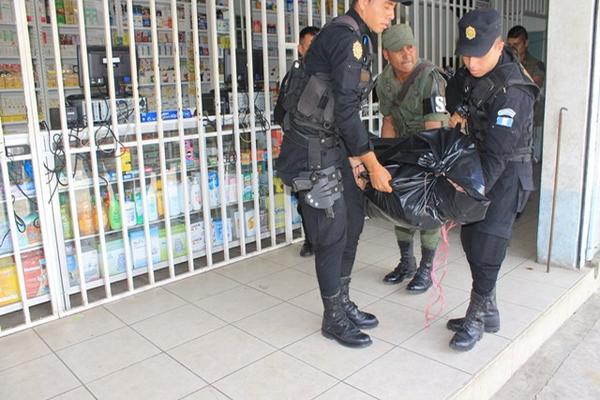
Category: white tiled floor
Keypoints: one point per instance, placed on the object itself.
(252, 331)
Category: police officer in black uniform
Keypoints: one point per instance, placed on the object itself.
(323, 136)
(492, 97)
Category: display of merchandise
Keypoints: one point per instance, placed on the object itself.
(35, 273)
(9, 282)
(104, 190)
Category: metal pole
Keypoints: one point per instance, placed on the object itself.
(555, 186)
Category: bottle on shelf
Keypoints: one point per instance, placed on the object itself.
(65, 217)
(85, 214)
(129, 209)
(159, 199)
(139, 207)
(173, 192)
(195, 192)
(152, 199)
(114, 210)
(213, 188)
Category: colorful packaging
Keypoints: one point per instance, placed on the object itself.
(35, 273)
(198, 237)
(138, 247)
(115, 257)
(9, 282)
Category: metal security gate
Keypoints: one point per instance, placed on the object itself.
(137, 146)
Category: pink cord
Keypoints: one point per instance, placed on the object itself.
(440, 262)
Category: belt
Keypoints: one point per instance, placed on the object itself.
(303, 140)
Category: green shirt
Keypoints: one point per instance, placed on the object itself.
(410, 116)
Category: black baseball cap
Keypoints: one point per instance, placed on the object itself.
(477, 31)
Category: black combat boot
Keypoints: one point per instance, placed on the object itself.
(407, 266)
(307, 249)
(361, 319)
(422, 280)
(491, 317)
(337, 325)
(472, 329)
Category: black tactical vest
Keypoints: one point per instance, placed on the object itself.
(479, 93)
(309, 101)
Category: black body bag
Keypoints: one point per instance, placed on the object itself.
(420, 166)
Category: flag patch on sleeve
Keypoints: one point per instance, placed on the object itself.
(505, 117)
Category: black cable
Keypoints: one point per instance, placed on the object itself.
(4, 238)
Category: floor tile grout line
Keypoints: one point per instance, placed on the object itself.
(253, 280)
(123, 368)
(244, 317)
(343, 382)
(70, 390)
(394, 346)
(328, 373)
(199, 390)
(151, 316)
(24, 362)
(63, 362)
(275, 350)
(471, 374)
(539, 282)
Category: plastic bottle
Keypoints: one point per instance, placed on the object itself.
(213, 188)
(173, 192)
(195, 192)
(65, 217)
(159, 199)
(151, 199)
(85, 215)
(114, 210)
(139, 206)
(129, 208)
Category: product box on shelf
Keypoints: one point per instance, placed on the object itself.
(279, 211)
(198, 237)
(90, 262)
(35, 273)
(137, 241)
(217, 226)
(249, 223)
(9, 282)
(248, 191)
(178, 241)
(115, 257)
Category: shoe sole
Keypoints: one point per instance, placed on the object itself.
(346, 344)
(397, 282)
(366, 326)
(492, 329)
(462, 349)
(414, 291)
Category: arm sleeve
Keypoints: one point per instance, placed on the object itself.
(345, 78)
(504, 132)
(435, 87)
(385, 106)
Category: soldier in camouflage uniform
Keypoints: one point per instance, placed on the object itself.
(411, 94)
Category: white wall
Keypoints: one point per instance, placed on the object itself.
(568, 85)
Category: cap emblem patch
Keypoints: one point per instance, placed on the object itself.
(357, 50)
(470, 33)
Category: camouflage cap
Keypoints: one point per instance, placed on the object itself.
(397, 36)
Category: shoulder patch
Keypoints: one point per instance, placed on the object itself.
(505, 117)
(507, 112)
(357, 50)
